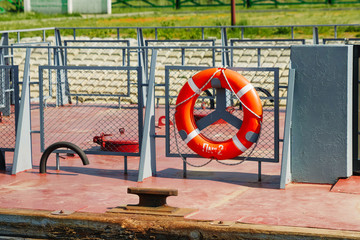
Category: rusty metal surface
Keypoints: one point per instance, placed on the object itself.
(156, 211)
(153, 191)
(30, 224)
(152, 197)
(152, 201)
(62, 212)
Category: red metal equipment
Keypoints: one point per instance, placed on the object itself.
(112, 145)
(162, 121)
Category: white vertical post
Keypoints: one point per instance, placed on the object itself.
(285, 176)
(147, 164)
(108, 6)
(23, 145)
(27, 6)
(70, 6)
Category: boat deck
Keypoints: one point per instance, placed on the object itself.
(218, 192)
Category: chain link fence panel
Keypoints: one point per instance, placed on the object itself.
(99, 110)
(265, 81)
(8, 87)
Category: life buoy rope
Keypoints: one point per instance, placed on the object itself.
(197, 89)
(249, 130)
(246, 89)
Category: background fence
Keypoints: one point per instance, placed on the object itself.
(218, 3)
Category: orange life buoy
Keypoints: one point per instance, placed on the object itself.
(252, 117)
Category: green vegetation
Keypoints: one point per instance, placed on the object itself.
(201, 17)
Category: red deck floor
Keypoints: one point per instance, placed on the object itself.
(218, 192)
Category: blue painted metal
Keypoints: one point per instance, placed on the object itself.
(219, 113)
(62, 85)
(2, 89)
(142, 61)
(33, 45)
(356, 97)
(57, 161)
(321, 135)
(4, 52)
(125, 165)
(2, 161)
(225, 60)
(8, 136)
(242, 28)
(342, 40)
(315, 35)
(5, 60)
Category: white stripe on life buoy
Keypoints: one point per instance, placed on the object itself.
(192, 135)
(244, 90)
(238, 144)
(193, 86)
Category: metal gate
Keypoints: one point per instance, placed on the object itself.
(102, 113)
(265, 80)
(9, 86)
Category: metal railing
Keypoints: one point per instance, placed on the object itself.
(208, 31)
(105, 109)
(218, 3)
(341, 40)
(80, 90)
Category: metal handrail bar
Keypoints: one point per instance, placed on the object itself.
(27, 30)
(28, 43)
(242, 27)
(152, 47)
(199, 27)
(182, 27)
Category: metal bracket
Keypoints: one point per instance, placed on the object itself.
(219, 113)
(62, 212)
(152, 201)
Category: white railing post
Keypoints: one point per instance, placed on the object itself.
(70, 6)
(27, 6)
(108, 6)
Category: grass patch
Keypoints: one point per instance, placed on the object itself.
(203, 17)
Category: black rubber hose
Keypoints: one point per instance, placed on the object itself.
(266, 92)
(57, 145)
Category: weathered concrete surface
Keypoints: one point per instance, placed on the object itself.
(42, 224)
